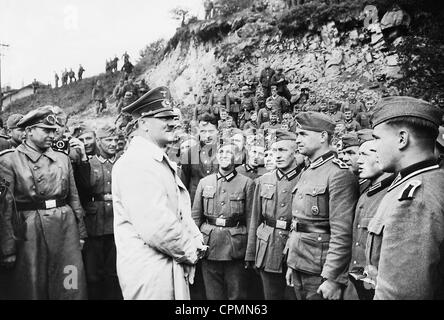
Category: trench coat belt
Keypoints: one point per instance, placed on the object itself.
(41, 205)
(308, 227)
(278, 224)
(101, 197)
(224, 222)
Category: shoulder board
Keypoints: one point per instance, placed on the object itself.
(339, 163)
(6, 151)
(408, 190)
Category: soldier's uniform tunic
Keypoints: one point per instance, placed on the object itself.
(323, 210)
(222, 209)
(270, 225)
(405, 245)
(366, 208)
(5, 143)
(99, 252)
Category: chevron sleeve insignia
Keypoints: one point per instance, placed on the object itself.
(408, 190)
(340, 164)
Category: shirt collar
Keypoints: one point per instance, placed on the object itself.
(290, 175)
(35, 155)
(414, 170)
(381, 185)
(228, 177)
(322, 159)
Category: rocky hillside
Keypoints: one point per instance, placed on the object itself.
(377, 47)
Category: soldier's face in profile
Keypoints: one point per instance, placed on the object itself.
(89, 141)
(108, 145)
(308, 142)
(269, 160)
(161, 130)
(207, 133)
(350, 156)
(387, 140)
(42, 138)
(284, 152)
(368, 164)
(225, 156)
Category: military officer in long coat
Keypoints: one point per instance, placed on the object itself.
(42, 221)
(157, 241)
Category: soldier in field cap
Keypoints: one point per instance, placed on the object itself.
(271, 218)
(406, 235)
(17, 134)
(157, 241)
(350, 149)
(324, 201)
(42, 193)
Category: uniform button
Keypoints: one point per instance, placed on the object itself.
(208, 171)
(223, 191)
(108, 204)
(222, 203)
(39, 180)
(108, 172)
(357, 244)
(33, 187)
(41, 192)
(319, 238)
(284, 191)
(354, 262)
(359, 225)
(108, 182)
(280, 233)
(282, 204)
(300, 196)
(35, 168)
(205, 161)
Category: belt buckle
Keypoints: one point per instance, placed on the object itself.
(220, 222)
(281, 224)
(50, 204)
(108, 197)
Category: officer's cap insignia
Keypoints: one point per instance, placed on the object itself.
(408, 190)
(340, 164)
(166, 103)
(315, 210)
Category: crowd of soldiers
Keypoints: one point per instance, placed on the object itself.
(69, 75)
(295, 198)
(127, 67)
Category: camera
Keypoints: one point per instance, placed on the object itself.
(61, 145)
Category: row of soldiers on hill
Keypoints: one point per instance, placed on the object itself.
(71, 75)
(284, 217)
(127, 67)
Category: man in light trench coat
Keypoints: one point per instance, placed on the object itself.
(157, 242)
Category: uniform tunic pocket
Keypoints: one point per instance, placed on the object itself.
(238, 242)
(237, 201)
(316, 203)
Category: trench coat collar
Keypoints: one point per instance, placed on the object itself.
(35, 155)
(414, 170)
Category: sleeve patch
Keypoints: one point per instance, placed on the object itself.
(409, 189)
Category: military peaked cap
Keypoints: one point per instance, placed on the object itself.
(42, 117)
(13, 119)
(155, 103)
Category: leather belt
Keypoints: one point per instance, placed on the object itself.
(309, 228)
(101, 197)
(41, 205)
(278, 224)
(222, 222)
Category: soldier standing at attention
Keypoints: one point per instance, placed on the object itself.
(222, 209)
(255, 166)
(405, 245)
(80, 72)
(271, 218)
(265, 80)
(56, 79)
(99, 252)
(98, 95)
(43, 218)
(369, 169)
(219, 99)
(323, 208)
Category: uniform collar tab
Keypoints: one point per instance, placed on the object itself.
(381, 185)
(322, 159)
(228, 177)
(414, 170)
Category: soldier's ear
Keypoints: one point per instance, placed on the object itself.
(404, 138)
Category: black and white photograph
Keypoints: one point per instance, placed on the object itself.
(234, 151)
